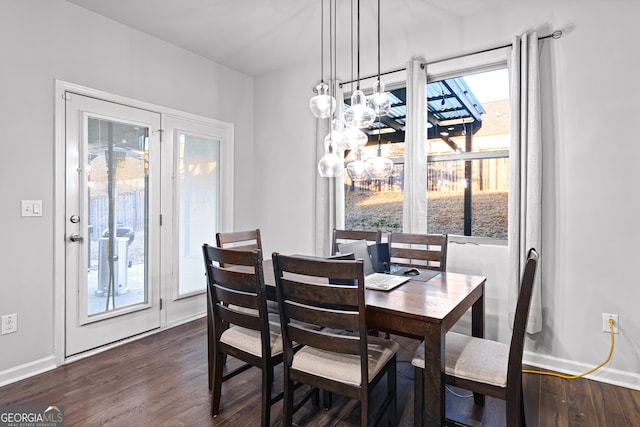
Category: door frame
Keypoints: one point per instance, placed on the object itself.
(183, 305)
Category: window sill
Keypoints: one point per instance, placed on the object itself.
(480, 241)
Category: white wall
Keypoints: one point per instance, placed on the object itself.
(44, 40)
(590, 102)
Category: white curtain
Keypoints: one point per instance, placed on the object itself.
(329, 201)
(414, 206)
(525, 185)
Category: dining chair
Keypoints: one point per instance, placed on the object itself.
(344, 236)
(338, 356)
(483, 366)
(427, 251)
(243, 240)
(241, 327)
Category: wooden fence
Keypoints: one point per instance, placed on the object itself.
(129, 212)
(487, 175)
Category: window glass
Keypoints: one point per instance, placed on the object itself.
(199, 204)
(467, 155)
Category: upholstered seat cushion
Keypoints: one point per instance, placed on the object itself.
(343, 367)
(472, 358)
(249, 340)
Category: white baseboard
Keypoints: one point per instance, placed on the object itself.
(45, 364)
(570, 367)
(27, 370)
(177, 322)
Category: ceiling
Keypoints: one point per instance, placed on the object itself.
(256, 37)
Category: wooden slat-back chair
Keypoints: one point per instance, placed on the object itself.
(483, 366)
(343, 236)
(339, 358)
(427, 251)
(238, 315)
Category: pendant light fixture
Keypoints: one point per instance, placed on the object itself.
(359, 114)
(357, 169)
(379, 167)
(322, 105)
(336, 136)
(331, 164)
(354, 138)
(379, 101)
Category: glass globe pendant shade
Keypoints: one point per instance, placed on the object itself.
(322, 105)
(359, 114)
(336, 137)
(337, 140)
(357, 169)
(330, 165)
(354, 138)
(379, 167)
(379, 101)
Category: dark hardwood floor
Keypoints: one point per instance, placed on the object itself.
(161, 380)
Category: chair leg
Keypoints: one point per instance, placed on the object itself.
(392, 389)
(523, 421)
(216, 392)
(287, 401)
(418, 396)
(515, 410)
(326, 399)
(364, 409)
(267, 383)
(210, 350)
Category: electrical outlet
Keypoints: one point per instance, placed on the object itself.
(605, 322)
(10, 323)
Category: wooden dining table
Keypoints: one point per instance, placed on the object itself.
(426, 311)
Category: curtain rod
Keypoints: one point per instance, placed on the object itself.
(554, 35)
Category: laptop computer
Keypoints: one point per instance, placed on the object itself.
(372, 280)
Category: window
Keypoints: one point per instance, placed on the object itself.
(198, 182)
(467, 155)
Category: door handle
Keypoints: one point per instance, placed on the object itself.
(75, 237)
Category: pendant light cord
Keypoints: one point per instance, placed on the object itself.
(379, 117)
(351, 45)
(331, 23)
(379, 137)
(335, 49)
(322, 41)
(358, 39)
(378, 40)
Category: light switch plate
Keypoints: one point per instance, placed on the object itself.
(31, 208)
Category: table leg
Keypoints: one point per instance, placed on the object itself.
(477, 317)
(477, 330)
(433, 379)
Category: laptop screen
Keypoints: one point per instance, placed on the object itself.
(360, 250)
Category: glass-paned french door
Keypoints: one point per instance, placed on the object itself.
(112, 186)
